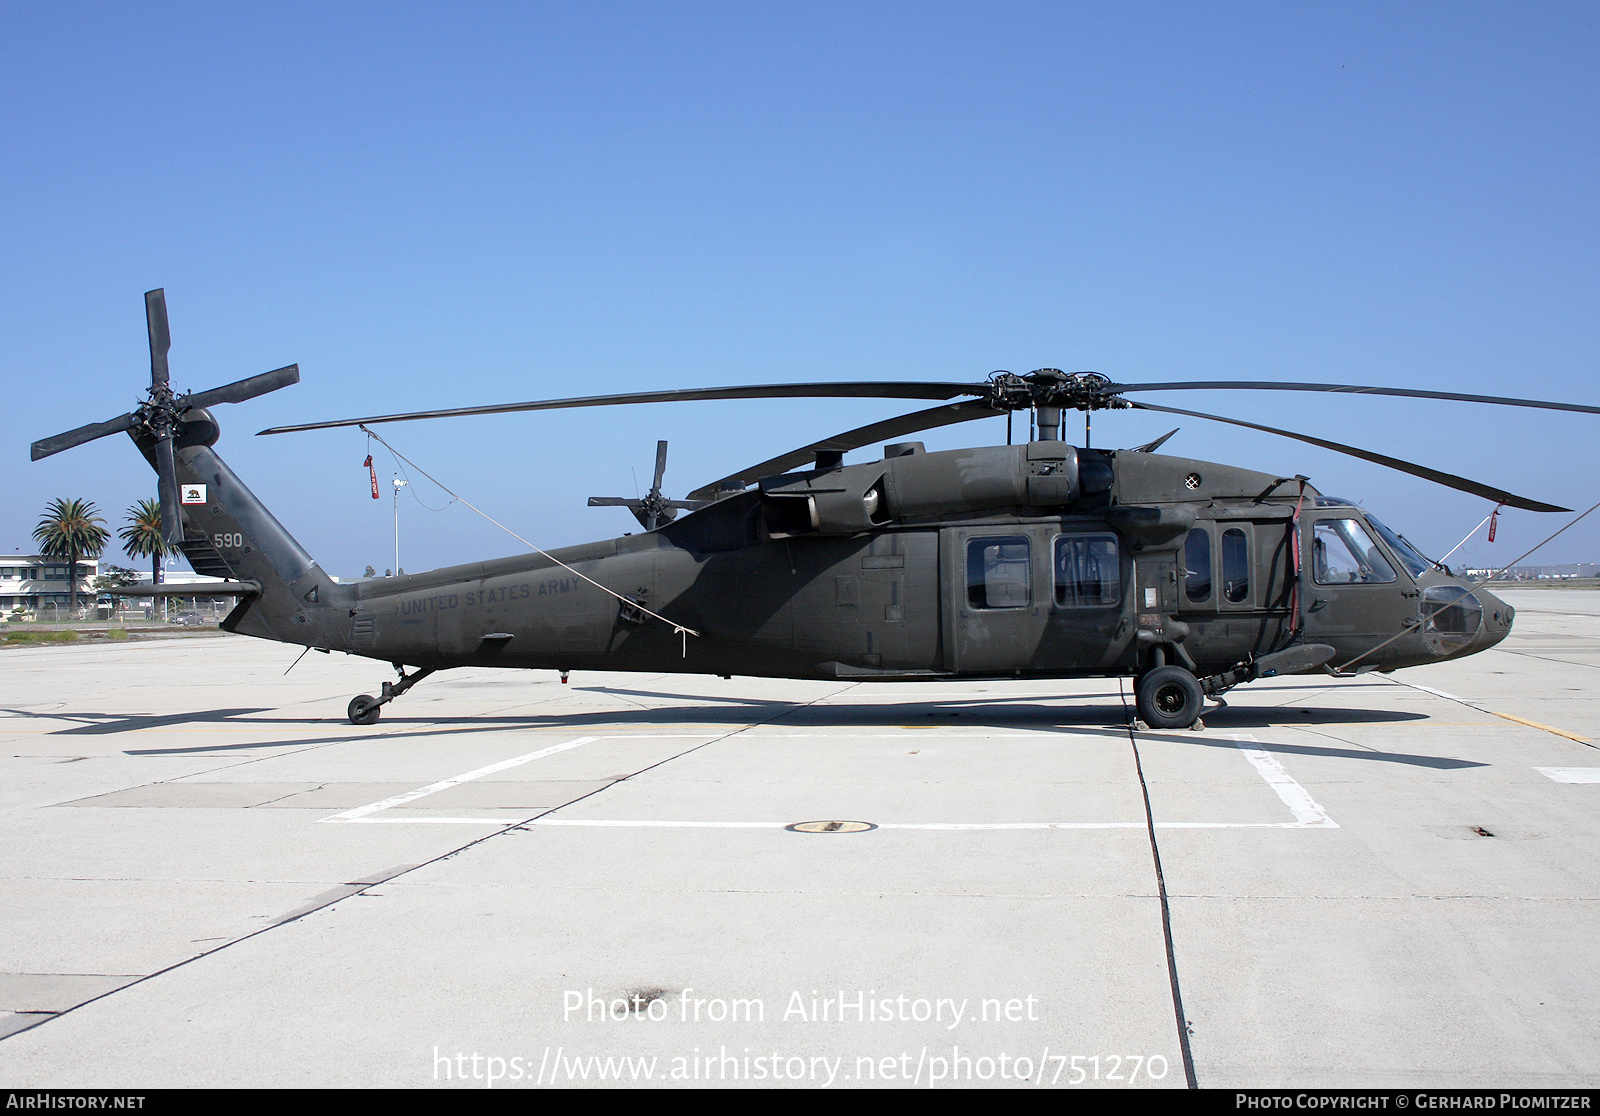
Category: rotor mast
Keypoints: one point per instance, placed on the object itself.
(1050, 392)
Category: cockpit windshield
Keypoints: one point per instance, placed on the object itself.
(1409, 556)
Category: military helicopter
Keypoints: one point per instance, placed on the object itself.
(1037, 560)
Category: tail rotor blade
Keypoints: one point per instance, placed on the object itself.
(155, 316)
(44, 447)
(661, 467)
(241, 390)
(167, 472)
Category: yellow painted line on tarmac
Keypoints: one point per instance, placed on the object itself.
(1546, 728)
(1496, 713)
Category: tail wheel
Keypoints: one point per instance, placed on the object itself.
(364, 710)
(1168, 697)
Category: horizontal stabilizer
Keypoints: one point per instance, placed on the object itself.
(190, 589)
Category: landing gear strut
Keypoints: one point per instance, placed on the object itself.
(365, 709)
(1170, 696)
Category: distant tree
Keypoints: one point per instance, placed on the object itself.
(70, 529)
(113, 577)
(370, 572)
(141, 538)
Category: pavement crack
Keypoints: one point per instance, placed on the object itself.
(1166, 906)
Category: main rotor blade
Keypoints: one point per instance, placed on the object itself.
(240, 390)
(614, 502)
(933, 417)
(1355, 389)
(842, 390)
(155, 318)
(44, 447)
(167, 491)
(661, 466)
(1449, 480)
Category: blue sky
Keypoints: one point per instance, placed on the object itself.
(434, 205)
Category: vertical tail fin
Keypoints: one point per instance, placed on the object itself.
(228, 532)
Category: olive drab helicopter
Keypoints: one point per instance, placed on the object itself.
(1037, 560)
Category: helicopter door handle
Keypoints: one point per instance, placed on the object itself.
(1318, 604)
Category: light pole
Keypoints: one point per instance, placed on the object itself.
(398, 485)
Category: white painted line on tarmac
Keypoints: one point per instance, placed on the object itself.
(596, 823)
(1571, 774)
(425, 821)
(1304, 808)
(361, 812)
(921, 732)
(1307, 813)
(1439, 693)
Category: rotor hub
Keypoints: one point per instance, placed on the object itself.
(1051, 387)
(159, 413)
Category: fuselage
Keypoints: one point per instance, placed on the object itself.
(1242, 566)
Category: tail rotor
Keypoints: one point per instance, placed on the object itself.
(162, 413)
(653, 510)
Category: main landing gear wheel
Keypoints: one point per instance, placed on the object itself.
(1168, 697)
(364, 710)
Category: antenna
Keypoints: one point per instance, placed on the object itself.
(398, 485)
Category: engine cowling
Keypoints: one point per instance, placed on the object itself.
(913, 484)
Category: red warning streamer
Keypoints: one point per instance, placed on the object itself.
(1494, 520)
(374, 474)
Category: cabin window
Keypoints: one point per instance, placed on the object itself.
(1087, 571)
(1235, 566)
(1342, 553)
(1197, 565)
(998, 572)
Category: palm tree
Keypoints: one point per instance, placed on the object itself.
(142, 538)
(70, 529)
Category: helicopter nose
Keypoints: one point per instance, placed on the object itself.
(1497, 617)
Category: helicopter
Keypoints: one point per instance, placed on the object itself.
(1039, 560)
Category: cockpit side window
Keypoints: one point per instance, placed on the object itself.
(1342, 553)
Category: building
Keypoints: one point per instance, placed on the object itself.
(1563, 572)
(36, 584)
(36, 587)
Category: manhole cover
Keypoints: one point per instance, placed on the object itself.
(830, 827)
